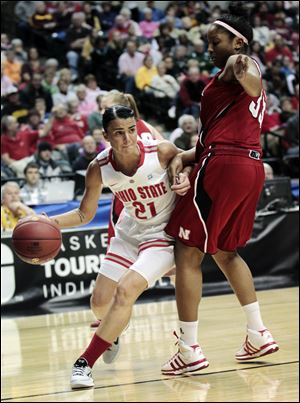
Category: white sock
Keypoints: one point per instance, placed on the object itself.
(254, 320)
(189, 332)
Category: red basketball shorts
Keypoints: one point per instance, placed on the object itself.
(218, 212)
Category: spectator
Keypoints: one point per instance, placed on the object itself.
(47, 166)
(257, 53)
(129, 63)
(24, 11)
(164, 38)
(133, 27)
(188, 125)
(34, 121)
(62, 17)
(170, 68)
(76, 116)
(42, 25)
(261, 32)
(13, 106)
(201, 55)
(147, 25)
(64, 94)
(278, 50)
(287, 110)
(62, 129)
(164, 85)
(31, 66)
(40, 106)
(20, 53)
(107, 16)
(101, 143)
(92, 89)
(95, 118)
(87, 154)
(12, 67)
(190, 93)
(49, 82)
(92, 16)
(52, 65)
(157, 14)
(121, 27)
(5, 42)
(33, 192)
(85, 105)
(150, 47)
(145, 74)
(6, 83)
(12, 208)
(75, 38)
(17, 145)
(180, 61)
(35, 90)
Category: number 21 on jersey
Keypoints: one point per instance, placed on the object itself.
(144, 212)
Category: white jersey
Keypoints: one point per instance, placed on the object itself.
(146, 195)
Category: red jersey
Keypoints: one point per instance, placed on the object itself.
(230, 116)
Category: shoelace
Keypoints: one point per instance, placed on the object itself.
(176, 344)
(79, 371)
(177, 337)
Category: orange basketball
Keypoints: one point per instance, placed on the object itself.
(36, 240)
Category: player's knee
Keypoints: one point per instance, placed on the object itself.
(124, 296)
(98, 300)
(225, 259)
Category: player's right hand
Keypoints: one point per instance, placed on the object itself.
(174, 168)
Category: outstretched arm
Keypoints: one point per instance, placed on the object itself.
(89, 203)
(243, 69)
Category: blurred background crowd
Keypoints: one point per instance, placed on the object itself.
(59, 58)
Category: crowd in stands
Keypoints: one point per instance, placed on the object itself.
(65, 55)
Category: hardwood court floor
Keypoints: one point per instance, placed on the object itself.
(38, 352)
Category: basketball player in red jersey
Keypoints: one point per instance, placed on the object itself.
(216, 216)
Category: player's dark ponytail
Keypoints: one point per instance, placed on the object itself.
(116, 112)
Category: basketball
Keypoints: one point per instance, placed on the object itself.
(36, 240)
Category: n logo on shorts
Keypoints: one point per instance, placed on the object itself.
(184, 233)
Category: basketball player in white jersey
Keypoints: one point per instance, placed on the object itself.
(141, 252)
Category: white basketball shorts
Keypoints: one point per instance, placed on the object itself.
(146, 249)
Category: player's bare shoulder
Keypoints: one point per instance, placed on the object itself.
(166, 151)
(93, 173)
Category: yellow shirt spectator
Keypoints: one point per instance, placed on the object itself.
(12, 209)
(145, 73)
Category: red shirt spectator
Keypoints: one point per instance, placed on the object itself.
(63, 129)
(279, 49)
(16, 144)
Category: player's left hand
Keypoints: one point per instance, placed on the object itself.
(240, 67)
(181, 184)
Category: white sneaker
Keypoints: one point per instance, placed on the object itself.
(257, 344)
(81, 375)
(111, 354)
(187, 359)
